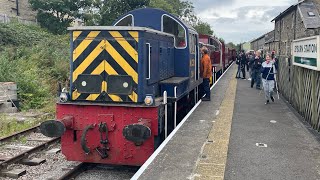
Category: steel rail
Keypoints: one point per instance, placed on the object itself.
(16, 135)
(25, 154)
(74, 172)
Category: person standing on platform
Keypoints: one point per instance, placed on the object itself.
(238, 62)
(256, 70)
(243, 62)
(268, 71)
(250, 64)
(206, 73)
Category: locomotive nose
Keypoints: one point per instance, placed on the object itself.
(56, 128)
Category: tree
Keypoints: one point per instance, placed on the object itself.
(182, 9)
(231, 45)
(110, 10)
(222, 40)
(57, 15)
(203, 28)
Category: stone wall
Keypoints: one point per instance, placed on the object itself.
(9, 8)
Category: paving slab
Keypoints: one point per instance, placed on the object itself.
(269, 141)
(178, 159)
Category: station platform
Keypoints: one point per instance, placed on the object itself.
(236, 136)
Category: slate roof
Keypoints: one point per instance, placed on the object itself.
(310, 22)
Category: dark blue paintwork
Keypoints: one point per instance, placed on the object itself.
(178, 63)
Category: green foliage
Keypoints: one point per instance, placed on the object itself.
(56, 15)
(36, 61)
(231, 45)
(182, 9)
(14, 34)
(203, 28)
(221, 40)
(112, 9)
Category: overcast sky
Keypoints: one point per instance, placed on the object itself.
(240, 20)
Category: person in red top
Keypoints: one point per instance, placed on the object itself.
(206, 73)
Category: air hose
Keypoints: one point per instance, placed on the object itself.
(84, 146)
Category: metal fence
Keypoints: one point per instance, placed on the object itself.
(301, 87)
(7, 19)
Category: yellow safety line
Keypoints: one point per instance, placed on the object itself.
(84, 65)
(135, 35)
(84, 44)
(122, 62)
(124, 43)
(213, 166)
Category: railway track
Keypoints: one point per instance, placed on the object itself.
(86, 171)
(20, 148)
(18, 134)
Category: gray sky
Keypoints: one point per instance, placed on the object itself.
(240, 20)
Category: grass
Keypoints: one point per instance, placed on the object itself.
(36, 60)
(9, 125)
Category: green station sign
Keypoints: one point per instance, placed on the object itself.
(306, 52)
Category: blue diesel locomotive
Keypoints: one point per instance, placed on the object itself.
(131, 84)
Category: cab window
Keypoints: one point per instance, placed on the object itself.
(171, 26)
(125, 21)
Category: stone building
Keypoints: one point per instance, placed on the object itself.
(298, 21)
(270, 43)
(246, 46)
(258, 43)
(298, 83)
(16, 8)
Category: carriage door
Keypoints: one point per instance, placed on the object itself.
(194, 57)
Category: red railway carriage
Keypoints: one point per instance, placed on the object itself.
(222, 56)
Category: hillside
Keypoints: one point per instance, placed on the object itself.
(36, 60)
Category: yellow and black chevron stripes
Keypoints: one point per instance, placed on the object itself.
(105, 53)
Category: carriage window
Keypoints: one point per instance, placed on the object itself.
(125, 21)
(171, 26)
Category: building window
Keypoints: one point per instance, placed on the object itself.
(126, 21)
(172, 26)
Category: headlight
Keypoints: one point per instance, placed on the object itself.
(63, 95)
(148, 100)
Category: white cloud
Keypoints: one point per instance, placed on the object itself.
(238, 20)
